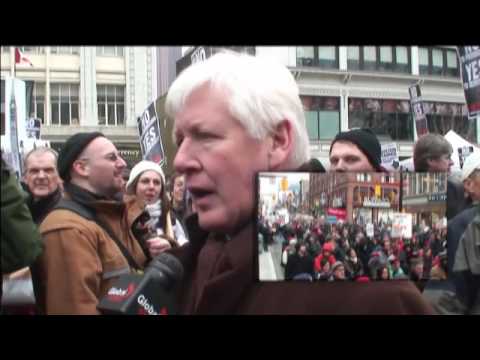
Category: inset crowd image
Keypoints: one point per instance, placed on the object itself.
(352, 226)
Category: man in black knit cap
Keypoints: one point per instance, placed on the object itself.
(356, 150)
(87, 238)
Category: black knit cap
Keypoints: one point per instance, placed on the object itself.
(72, 148)
(366, 141)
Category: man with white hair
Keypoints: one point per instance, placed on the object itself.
(236, 115)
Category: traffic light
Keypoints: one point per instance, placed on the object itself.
(284, 184)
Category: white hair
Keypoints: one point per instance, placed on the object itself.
(262, 93)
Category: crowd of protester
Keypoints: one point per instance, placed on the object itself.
(318, 250)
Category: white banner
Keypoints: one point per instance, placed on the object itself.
(402, 225)
(369, 229)
(13, 143)
(461, 149)
(390, 156)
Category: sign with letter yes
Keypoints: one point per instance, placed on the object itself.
(150, 139)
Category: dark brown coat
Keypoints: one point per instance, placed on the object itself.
(220, 280)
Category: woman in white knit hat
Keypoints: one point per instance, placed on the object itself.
(147, 183)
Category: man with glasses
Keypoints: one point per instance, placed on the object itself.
(87, 238)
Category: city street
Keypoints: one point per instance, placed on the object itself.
(269, 261)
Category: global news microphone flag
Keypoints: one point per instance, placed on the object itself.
(151, 293)
(470, 67)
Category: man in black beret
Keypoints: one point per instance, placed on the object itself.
(87, 237)
(356, 150)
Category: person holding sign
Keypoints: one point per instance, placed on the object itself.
(161, 231)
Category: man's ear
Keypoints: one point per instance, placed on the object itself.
(430, 162)
(281, 145)
(81, 167)
(466, 186)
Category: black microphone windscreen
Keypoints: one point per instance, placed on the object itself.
(173, 265)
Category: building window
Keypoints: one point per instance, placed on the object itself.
(32, 49)
(38, 101)
(389, 119)
(386, 58)
(109, 50)
(379, 58)
(322, 116)
(65, 50)
(369, 57)
(438, 61)
(442, 117)
(111, 104)
(2, 107)
(402, 59)
(353, 57)
(64, 104)
(325, 57)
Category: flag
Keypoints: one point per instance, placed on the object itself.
(20, 58)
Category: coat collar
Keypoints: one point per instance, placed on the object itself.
(223, 270)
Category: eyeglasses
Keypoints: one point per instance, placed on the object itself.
(113, 157)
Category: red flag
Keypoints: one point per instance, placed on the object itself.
(20, 58)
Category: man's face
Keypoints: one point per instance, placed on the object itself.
(384, 273)
(339, 273)
(386, 243)
(179, 188)
(219, 159)
(347, 157)
(104, 167)
(41, 174)
(472, 185)
(302, 251)
(418, 269)
(442, 164)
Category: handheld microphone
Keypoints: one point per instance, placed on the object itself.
(151, 293)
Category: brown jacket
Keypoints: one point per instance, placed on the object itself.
(80, 261)
(221, 279)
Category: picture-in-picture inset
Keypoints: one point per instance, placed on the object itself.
(351, 226)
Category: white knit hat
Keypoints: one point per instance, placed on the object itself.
(140, 168)
(471, 164)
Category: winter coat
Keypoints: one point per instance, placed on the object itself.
(467, 263)
(456, 201)
(353, 269)
(297, 264)
(81, 261)
(41, 208)
(20, 238)
(318, 261)
(219, 279)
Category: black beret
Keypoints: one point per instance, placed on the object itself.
(71, 150)
(366, 141)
